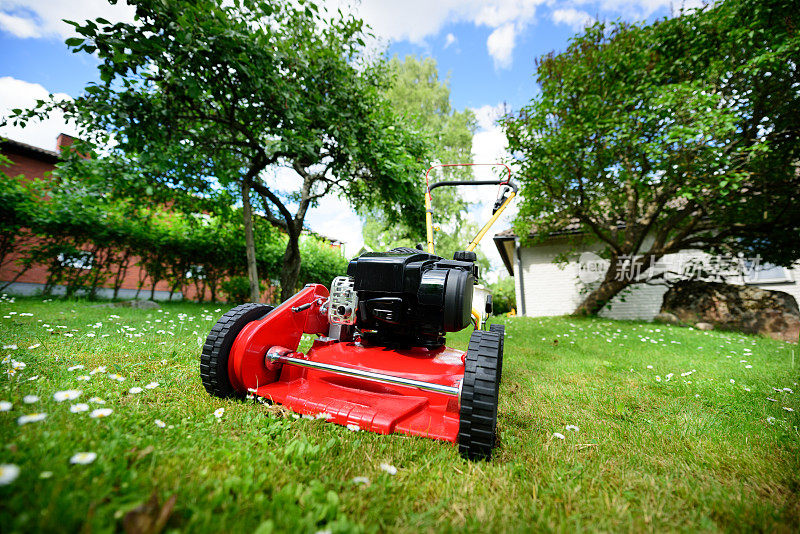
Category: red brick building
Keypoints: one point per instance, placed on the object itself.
(32, 163)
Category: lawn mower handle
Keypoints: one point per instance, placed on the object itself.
(499, 207)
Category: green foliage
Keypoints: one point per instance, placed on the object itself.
(504, 297)
(683, 131)
(59, 223)
(204, 97)
(237, 289)
(423, 102)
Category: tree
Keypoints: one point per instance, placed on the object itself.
(423, 101)
(204, 97)
(658, 138)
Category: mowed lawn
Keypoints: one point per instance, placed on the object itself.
(670, 429)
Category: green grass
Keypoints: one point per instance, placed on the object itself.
(690, 453)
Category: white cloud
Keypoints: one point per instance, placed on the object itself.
(43, 18)
(334, 218)
(450, 40)
(18, 26)
(416, 20)
(501, 45)
(20, 94)
(573, 18)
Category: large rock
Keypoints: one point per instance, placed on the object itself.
(731, 307)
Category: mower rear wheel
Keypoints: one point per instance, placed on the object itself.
(479, 396)
(217, 348)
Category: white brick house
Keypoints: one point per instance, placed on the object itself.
(547, 288)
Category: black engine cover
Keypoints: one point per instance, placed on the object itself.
(411, 299)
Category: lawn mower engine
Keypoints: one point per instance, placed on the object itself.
(379, 361)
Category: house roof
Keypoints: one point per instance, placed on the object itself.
(23, 149)
(571, 228)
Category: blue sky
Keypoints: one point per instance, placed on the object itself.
(487, 49)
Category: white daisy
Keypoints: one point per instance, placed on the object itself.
(30, 399)
(135, 390)
(45, 474)
(35, 377)
(75, 367)
(97, 400)
(9, 347)
(354, 428)
(101, 369)
(573, 428)
(151, 385)
(5, 406)
(35, 346)
(115, 376)
(160, 423)
(788, 409)
(78, 408)
(8, 474)
(733, 381)
(100, 412)
(68, 394)
(218, 412)
(392, 470)
(32, 418)
(558, 435)
(18, 366)
(771, 420)
(360, 480)
(83, 458)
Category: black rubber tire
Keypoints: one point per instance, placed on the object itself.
(406, 250)
(217, 348)
(500, 330)
(479, 397)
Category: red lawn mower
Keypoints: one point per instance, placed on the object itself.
(379, 360)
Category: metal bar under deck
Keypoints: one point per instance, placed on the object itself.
(366, 375)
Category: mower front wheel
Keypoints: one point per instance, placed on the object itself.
(479, 396)
(217, 348)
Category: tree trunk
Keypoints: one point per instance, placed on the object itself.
(610, 287)
(250, 243)
(290, 271)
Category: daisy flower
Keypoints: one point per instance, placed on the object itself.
(135, 390)
(45, 474)
(771, 420)
(218, 412)
(83, 458)
(32, 418)
(35, 346)
(101, 369)
(78, 408)
(160, 423)
(8, 474)
(788, 409)
(97, 400)
(361, 480)
(573, 428)
(392, 470)
(31, 379)
(30, 399)
(75, 367)
(115, 376)
(5, 406)
(83, 378)
(558, 435)
(68, 394)
(354, 428)
(18, 366)
(100, 412)
(151, 385)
